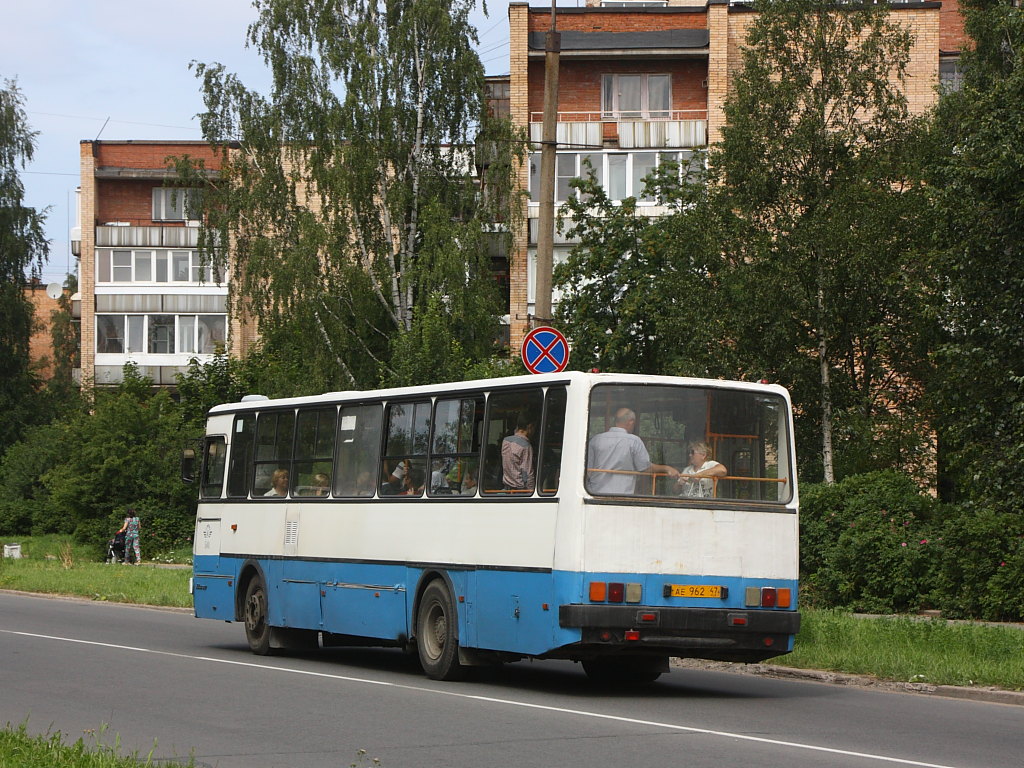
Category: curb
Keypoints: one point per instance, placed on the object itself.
(990, 695)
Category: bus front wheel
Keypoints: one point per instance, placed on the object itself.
(257, 630)
(436, 640)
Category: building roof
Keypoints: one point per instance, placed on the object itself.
(665, 42)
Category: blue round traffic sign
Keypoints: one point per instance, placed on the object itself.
(545, 350)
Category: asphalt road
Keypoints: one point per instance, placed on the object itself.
(165, 681)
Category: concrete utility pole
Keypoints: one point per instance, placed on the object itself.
(549, 142)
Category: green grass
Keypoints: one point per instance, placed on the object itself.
(910, 650)
(62, 573)
(19, 749)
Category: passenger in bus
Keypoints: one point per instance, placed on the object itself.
(517, 471)
(278, 483)
(321, 484)
(439, 479)
(414, 480)
(394, 482)
(696, 481)
(468, 486)
(618, 462)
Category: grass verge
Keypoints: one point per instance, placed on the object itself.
(19, 749)
(145, 585)
(906, 649)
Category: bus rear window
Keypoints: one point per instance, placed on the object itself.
(688, 443)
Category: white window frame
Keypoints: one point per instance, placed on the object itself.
(174, 203)
(156, 256)
(601, 163)
(614, 111)
(127, 347)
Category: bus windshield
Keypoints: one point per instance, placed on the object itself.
(687, 443)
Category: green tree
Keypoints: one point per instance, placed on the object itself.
(23, 250)
(814, 167)
(978, 180)
(643, 294)
(123, 455)
(351, 195)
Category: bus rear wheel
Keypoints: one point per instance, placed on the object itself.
(436, 640)
(257, 630)
(625, 670)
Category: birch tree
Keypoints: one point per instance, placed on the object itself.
(351, 194)
(814, 166)
(23, 251)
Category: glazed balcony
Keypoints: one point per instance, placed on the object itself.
(679, 128)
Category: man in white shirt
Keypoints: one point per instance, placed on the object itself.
(616, 459)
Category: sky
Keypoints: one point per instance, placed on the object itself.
(119, 69)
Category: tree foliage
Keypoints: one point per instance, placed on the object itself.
(978, 185)
(350, 195)
(23, 250)
(800, 260)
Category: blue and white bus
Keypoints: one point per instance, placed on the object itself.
(387, 517)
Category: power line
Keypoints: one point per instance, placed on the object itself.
(125, 122)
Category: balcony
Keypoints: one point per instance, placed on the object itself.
(680, 128)
(129, 234)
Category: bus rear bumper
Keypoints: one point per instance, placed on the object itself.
(722, 634)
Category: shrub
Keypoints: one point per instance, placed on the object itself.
(980, 563)
(868, 544)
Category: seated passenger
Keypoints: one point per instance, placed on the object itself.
(278, 483)
(321, 484)
(439, 480)
(695, 481)
(413, 482)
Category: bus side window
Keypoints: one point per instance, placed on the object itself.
(314, 452)
(240, 467)
(455, 447)
(404, 466)
(273, 450)
(505, 411)
(214, 453)
(358, 451)
(551, 442)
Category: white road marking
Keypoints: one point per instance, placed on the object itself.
(494, 700)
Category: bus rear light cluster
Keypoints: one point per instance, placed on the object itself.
(615, 592)
(768, 597)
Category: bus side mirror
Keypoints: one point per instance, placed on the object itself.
(188, 465)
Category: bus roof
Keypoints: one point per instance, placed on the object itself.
(545, 379)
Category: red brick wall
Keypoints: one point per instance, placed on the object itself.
(579, 82)
(616, 21)
(151, 154)
(951, 27)
(41, 342)
(119, 200)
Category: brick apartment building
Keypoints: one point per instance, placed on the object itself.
(641, 80)
(147, 298)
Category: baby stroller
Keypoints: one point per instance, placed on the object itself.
(115, 548)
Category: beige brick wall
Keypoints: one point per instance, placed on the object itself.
(519, 93)
(87, 261)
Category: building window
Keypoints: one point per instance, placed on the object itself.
(161, 334)
(117, 266)
(498, 99)
(620, 173)
(950, 75)
(636, 96)
(175, 204)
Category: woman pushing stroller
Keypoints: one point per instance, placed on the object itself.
(130, 529)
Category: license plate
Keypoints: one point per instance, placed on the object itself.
(695, 590)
